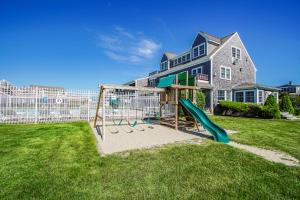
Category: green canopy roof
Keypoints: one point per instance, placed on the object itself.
(166, 81)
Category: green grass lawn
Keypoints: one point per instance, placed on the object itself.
(282, 135)
(60, 161)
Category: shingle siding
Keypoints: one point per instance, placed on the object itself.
(224, 57)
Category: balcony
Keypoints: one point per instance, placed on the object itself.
(202, 77)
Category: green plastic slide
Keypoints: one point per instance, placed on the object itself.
(218, 133)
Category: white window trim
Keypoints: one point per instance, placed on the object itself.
(167, 67)
(225, 73)
(196, 69)
(202, 44)
(225, 95)
(244, 95)
(253, 96)
(181, 56)
(236, 53)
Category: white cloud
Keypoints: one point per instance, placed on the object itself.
(124, 46)
(147, 48)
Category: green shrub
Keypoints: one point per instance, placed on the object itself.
(234, 106)
(271, 108)
(200, 99)
(297, 111)
(286, 104)
(296, 103)
(255, 109)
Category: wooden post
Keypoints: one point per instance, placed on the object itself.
(176, 104)
(97, 109)
(103, 115)
(187, 84)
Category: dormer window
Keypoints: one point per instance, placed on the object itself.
(236, 53)
(179, 60)
(199, 50)
(188, 56)
(164, 65)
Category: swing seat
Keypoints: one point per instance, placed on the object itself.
(118, 123)
(134, 124)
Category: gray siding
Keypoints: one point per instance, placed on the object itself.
(198, 40)
(210, 48)
(164, 58)
(224, 57)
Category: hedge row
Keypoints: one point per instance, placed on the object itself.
(240, 109)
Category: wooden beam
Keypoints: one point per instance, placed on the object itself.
(182, 87)
(132, 88)
(98, 105)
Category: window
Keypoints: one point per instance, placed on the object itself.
(164, 65)
(221, 95)
(179, 60)
(196, 53)
(183, 58)
(196, 71)
(188, 56)
(236, 53)
(152, 83)
(228, 95)
(199, 50)
(228, 73)
(225, 73)
(239, 96)
(250, 96)
(260, 96)
(175, 62)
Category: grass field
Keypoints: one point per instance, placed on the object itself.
(60, 161)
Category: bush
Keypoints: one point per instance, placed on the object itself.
(200, 99)
(271, 108)
(296, 103)
(286, 104)
(234, 106)
(297, 111)
(239, 109)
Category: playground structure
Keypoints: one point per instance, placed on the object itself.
(134, 106)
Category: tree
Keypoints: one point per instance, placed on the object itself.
(286, 104)
(271, 108)
(200, 99)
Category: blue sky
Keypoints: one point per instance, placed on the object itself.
(78, 44)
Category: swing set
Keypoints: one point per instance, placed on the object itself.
(127, 108)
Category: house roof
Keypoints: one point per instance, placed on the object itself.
(247, 86)
(170, 55)
(288, 85)
(211, 37)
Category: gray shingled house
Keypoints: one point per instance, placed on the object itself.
(222, 66)
(290, 88)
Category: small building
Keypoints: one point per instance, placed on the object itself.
(253, 93)
(290, 88)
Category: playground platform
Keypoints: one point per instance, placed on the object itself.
(156, 136)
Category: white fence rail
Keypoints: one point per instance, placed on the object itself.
(47, 104)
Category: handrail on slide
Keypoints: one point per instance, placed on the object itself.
(218, 133)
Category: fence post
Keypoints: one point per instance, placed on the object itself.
(36, 105)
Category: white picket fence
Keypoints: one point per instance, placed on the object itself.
(45, 104)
